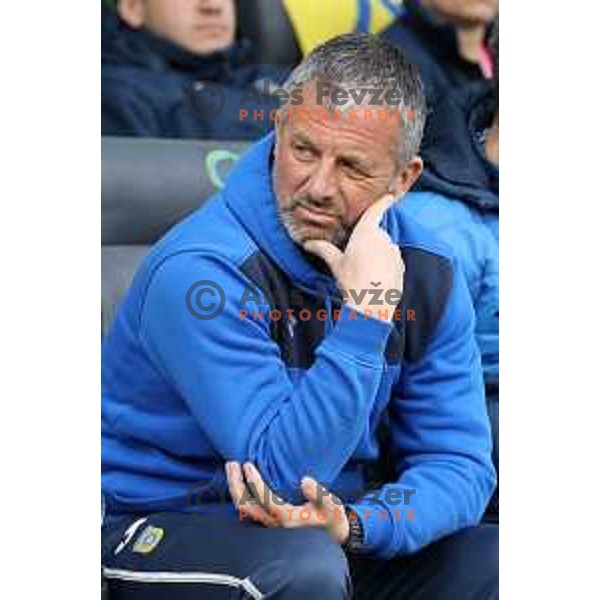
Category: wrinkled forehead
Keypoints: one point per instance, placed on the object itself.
(368, 140)
(358, 129)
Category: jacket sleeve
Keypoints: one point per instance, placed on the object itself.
(229, 372)
(441, 440)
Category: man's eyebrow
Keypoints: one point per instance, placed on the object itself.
(352, 160)
(298, 136)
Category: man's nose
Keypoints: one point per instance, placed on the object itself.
(322, 185)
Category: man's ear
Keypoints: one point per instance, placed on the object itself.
(407, 176)
(133, 12)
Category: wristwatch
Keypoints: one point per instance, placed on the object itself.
(356, 537)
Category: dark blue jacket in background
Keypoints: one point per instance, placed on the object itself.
(457, 197)
(432, 46)
(148, 88)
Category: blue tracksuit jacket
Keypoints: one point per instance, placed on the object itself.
(331, 398)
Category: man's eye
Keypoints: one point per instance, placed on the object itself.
(354, 172)
(303, 152)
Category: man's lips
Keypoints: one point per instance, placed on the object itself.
(315, 215)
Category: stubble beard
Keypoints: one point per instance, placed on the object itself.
(302, 233)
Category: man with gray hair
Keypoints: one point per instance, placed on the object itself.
(292, 392)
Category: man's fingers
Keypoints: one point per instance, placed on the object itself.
(324, 250)
(310, 490)
(259, 514)
(301, 518)
(235, 481)
(264, 496)
(371, 218)
(320, 510)
(317, 494)
(247, 508)
(255, 483)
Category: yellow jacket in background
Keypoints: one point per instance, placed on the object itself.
(316, 21)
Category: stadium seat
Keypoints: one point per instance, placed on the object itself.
(268, 27)
(147, 186)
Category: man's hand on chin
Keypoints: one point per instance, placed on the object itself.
(322, 509)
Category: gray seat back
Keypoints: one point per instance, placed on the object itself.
(147, 186)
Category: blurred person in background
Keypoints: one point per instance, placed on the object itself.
(156, 56)
(445, 39)
(458, 198)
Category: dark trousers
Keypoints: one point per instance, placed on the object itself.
(189, 556)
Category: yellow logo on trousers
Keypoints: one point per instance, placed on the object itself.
(148, 539)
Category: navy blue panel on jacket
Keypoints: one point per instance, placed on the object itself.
(148, 88)
(189, 381)
(432, 46)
